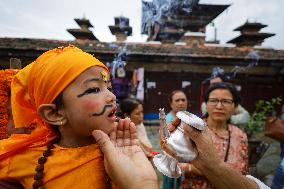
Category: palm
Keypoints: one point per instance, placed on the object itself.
(128, 156)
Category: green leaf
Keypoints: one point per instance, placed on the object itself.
(258, 118)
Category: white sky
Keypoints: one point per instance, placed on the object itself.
(50, 19)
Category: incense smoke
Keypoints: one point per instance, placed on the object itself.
(251, 60)
(154, 11)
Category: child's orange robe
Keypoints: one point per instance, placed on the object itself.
(76, 168)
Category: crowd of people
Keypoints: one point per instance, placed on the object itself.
(70, 136)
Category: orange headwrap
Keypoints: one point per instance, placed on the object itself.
(40, 83)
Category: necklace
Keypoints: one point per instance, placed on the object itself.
(228, 147)
(40, 167)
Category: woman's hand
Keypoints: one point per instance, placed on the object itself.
(189, 169)
(124, 160)
(211, 165)
(207, 154)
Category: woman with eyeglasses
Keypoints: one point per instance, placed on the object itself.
(230, 141)
(241, 115)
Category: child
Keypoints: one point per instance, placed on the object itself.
(64, 95)
(133, 108)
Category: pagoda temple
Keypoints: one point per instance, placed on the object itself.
(170, 28)
(83, 33)
(250, 35)
(121, 29)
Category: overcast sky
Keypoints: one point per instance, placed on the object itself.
(50, 19)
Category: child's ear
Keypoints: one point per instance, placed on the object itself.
(50, 114)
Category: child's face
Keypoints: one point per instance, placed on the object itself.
(88, 103)
(136, 115)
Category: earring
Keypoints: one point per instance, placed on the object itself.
(61, 122)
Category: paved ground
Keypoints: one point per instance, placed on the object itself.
(153, 134)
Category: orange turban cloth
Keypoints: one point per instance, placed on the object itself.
(40, 83)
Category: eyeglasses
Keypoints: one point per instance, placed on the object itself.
(224, 102)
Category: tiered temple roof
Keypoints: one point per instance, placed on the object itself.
(83, 33)
(170, 28)
(121, 28)
(250, 35)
